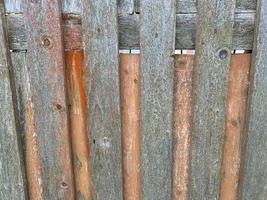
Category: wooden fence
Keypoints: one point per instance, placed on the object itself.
(80, 120)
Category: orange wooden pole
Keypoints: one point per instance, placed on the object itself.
(77, 109)
(32, 156)
(235, 124)
(130, 119)
(181, 125)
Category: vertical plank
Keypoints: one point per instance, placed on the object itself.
(17, 42)
(46, 75)
(12, 174)
(235, 125)
(130, 128)
(254, 182)
(182, 112)
(212, 60)
(102, 79)
(157, 49)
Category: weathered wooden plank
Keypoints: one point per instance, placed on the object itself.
(157, 49)
(13, 6)
(130, 125)
(12, 173)
(102, 79)
(186, 31)
(129, 31)
(190, 6)
(212, 60)
(182, 113)
(46, 75)
(126, 6)
(235, 125)
(75, 6)
(254, 182)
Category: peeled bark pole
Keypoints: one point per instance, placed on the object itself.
(235, 124)
(130, 118)
(77, 109)
(181, 125)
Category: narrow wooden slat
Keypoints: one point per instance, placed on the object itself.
(157, 64)
(12, 173)
(17, 32)
(77, 105)
(46, 75)
(27, 124)
(100, 33)
(130, 129)
(235, 125)
(212, 61)
(181, 125)
(254, 182)
(78, 123)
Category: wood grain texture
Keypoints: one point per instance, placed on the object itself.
(235, 125)
(46, 75)
(186, 31)
(157, 32)
(130, 125)
(182, 113)
(129, 30)
(212, 61)
(190, 6)
(12, 173)
(27, 124)
(77, 105)
(102, 79)
(254, 182)
(78, 124)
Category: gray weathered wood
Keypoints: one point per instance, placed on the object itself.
(254, 181)
(46, 74)
(75, 6)
(190, 6)
(129, 31)
(157, 36)
(72, 6)
(100, 33)
(212, 60)
(19, 66)
(126, 6)
(13, 6)
(12, 173)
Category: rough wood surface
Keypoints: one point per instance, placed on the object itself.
(212, 61)
(130, 125)
(27, 124)
(46, 75)
(12, 173)
(77, 106)
(100, 33)
(190, 6)
(235, 125)
(182, 109)
(129, 31)
(78, 124)
(254, 182)
(157, 61)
